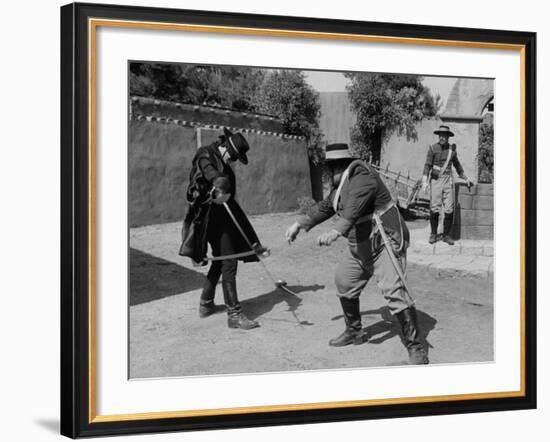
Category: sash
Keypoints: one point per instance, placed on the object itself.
(336, 199)
(444, 167)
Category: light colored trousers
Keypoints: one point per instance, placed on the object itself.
(441, 194)
(360, 263)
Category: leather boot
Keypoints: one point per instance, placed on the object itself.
(207, 306)
(353, 334)
(447, 225)
(235, 317)
(434, 223)
(409, 326)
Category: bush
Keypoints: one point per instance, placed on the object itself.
(385, 103)
(485, 156)
(305, 205)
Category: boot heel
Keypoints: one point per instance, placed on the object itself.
(361, 338)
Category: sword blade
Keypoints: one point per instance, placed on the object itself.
(393, 258)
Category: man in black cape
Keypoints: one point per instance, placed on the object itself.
(211, 196)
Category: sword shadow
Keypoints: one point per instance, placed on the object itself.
(262, 304)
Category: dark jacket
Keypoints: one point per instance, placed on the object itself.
(362, 194)
(207, 222)
(437, 156)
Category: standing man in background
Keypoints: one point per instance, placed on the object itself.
(438, 172)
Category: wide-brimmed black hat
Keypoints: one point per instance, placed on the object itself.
(236, 145)
(444, 130)
(337, 151)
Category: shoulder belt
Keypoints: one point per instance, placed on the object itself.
(345, 177)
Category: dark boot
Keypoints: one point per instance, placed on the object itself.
(207, 306)
(447, 226)
(409, 327)
(353, 334)
(235, 317)
(434, 223)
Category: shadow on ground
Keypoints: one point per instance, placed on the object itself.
(388, 327)
(262, 304)
(153, 278)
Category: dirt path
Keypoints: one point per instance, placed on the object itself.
(167, 338)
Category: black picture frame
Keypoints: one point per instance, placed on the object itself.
(76, 404)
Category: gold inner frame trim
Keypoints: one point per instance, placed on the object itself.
(93, 24)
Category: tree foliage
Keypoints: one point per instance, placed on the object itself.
(281, 93)
(385, 103)
(286, 94)
(485, 156)
(224, 86)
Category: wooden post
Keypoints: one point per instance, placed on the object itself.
(199, 137)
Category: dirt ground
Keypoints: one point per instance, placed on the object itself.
(167, 338)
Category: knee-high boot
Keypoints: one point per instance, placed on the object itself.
(434, 223)
(447, 226)
(235, 317)
(353, 334)
(207, 306)
(409, 326)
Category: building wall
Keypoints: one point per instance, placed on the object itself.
(336, 119)
(474, 215)
(160, 156)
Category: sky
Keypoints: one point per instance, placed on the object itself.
(336, 82)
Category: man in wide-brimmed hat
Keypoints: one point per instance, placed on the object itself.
(211, 195)
(438, 173)
(377, 238)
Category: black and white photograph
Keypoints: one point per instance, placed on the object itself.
(286, 220)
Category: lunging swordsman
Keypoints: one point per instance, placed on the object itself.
(378, 240)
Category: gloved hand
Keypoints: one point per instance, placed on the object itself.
(219, 197)
(223, 184)
(220, 192)
(469, 182)
(327, 238)
(292, 232)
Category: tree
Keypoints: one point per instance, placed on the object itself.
(224, 86)
(287, 95)
(485, 156)
(281, 93)
(385, 103)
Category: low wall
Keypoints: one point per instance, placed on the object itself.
(160, 156)
(474, 216)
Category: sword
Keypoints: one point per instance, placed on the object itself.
(280, 283)
(232, 256)
(393, 258)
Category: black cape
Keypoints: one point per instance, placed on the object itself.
(210, 223)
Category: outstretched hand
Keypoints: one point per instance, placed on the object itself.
(292, 232)
(327, 238)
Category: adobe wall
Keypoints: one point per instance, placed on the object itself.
(160, 156)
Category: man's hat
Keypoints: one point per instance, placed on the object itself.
(337, 151)
(236, 145)
(444, 130)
